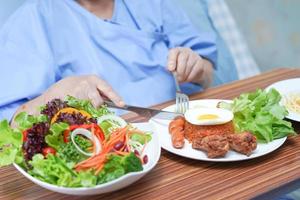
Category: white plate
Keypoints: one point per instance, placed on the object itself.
(187, 151)
(152, 150)
(287, 86)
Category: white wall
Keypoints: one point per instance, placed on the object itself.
(271, 29)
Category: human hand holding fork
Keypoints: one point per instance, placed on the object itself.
(187, 66)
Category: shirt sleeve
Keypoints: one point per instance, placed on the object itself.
(27, 67)
(181, 32)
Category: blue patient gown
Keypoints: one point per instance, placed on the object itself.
(48, 40)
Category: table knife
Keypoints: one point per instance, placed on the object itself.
(145, 112)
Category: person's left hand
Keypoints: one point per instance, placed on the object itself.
(189, 66)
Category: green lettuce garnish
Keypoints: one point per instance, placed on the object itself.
(26, 121)
(87, 106)
(10, 144)
(141, 138)
(260, 113)
(55, 137)
(55, 171)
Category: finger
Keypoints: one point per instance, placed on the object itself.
(191, 63)
(172, 59)
(95, 98)
(108, 91)
(196, 73)
(181, 66)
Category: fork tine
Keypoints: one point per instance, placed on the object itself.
(182, 100)
(186, 103)
(180, 104)
(183, 105)
(177, 103)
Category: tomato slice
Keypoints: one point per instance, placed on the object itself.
(66, 136)
(25, 133)
(48, 150)
(97, 130)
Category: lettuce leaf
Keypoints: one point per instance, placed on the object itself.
(55, 138)
(55, 171)
(10, 144)
(141, 138)
(87, 106)
(260, 113)
(26, 121)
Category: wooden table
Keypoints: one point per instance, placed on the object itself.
(179, 178)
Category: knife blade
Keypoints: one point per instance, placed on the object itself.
(145, 112)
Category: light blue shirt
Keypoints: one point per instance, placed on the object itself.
(48, 40)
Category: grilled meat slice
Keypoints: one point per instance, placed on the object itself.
(214, 145)
(244, 143)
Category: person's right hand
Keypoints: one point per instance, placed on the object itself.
(83, 87)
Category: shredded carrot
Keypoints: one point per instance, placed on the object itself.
(97, 161)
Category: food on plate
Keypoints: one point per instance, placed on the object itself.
(73, 144)
(201, 122)
(176, 129)
(214, 145)
(211, 130)
(244, 143)
(292, 102)
(260, 113)
(193, 132)
(208, 116)
(218, 145)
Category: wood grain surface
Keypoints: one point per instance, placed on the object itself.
(179, 178)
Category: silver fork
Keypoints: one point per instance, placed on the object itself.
(182, 100)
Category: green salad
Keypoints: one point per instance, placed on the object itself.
(260, 113)
(73, 144)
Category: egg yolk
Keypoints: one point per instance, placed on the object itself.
(207, 117)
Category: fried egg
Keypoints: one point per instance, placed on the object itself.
(208, 116)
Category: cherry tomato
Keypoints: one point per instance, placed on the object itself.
(25, 135)
(48, 150)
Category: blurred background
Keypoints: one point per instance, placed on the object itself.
(270, 28)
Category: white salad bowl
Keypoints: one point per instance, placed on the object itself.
(152, 150)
